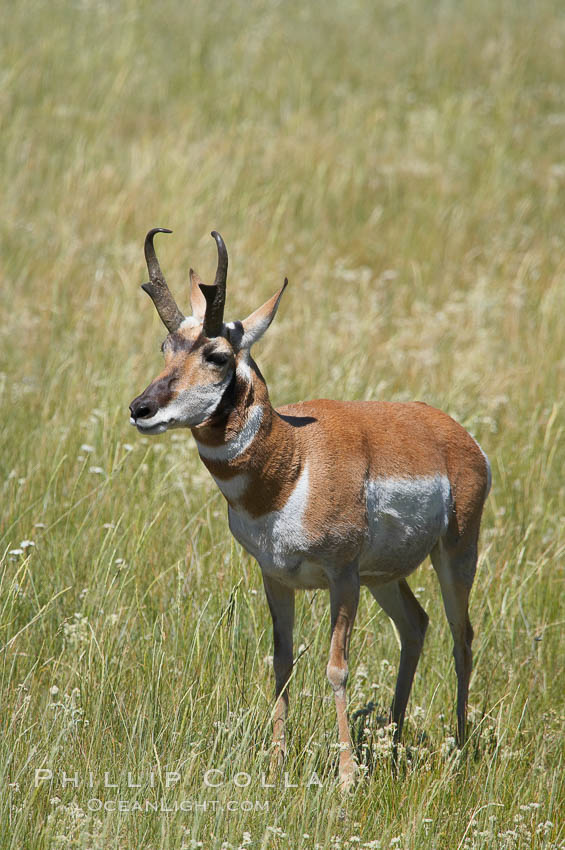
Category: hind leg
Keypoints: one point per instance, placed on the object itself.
(455, 568)
(411, 621)
(344, 598)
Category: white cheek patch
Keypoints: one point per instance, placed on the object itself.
(238, 444)
(278, 538)
(190, 408)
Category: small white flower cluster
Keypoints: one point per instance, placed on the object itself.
(21, 549)
(378, 744)
(524, 833)
(486, 728)
(246, 841)
(276, 830)
(68, 708)
(233, 719)
(417, 713)
(77, 631)
(87, 449)
(13, 474)
(69, 826)
(354, 842)
(448, 748)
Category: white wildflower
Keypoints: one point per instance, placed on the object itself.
(69, 710)
(362, 672)
(77, 631)
(448, 747)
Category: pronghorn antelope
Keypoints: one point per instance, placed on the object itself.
(324, 494)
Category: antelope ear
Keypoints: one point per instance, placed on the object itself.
(197, 300)
(255, 325)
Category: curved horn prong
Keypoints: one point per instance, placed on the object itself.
(216, 295)
(157, 289)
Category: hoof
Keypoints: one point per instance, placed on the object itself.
(278, 757)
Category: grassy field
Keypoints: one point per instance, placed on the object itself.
(404, 164)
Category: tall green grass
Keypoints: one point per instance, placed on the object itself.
(404, 165)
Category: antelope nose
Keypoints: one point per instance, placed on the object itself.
(143, 408)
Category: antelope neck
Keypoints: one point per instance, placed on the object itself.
(249, 449)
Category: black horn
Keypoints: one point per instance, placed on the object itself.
(157, 289)
(216, 295)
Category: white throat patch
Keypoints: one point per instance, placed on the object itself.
(238, 444)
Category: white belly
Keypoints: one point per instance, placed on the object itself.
(405, 517)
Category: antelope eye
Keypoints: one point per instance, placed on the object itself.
(216, 358)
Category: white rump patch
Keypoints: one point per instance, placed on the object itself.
(489, 470)
(406, 517)
(238, 444)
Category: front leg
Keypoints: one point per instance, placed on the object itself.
(281, 604)
(344, 598)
